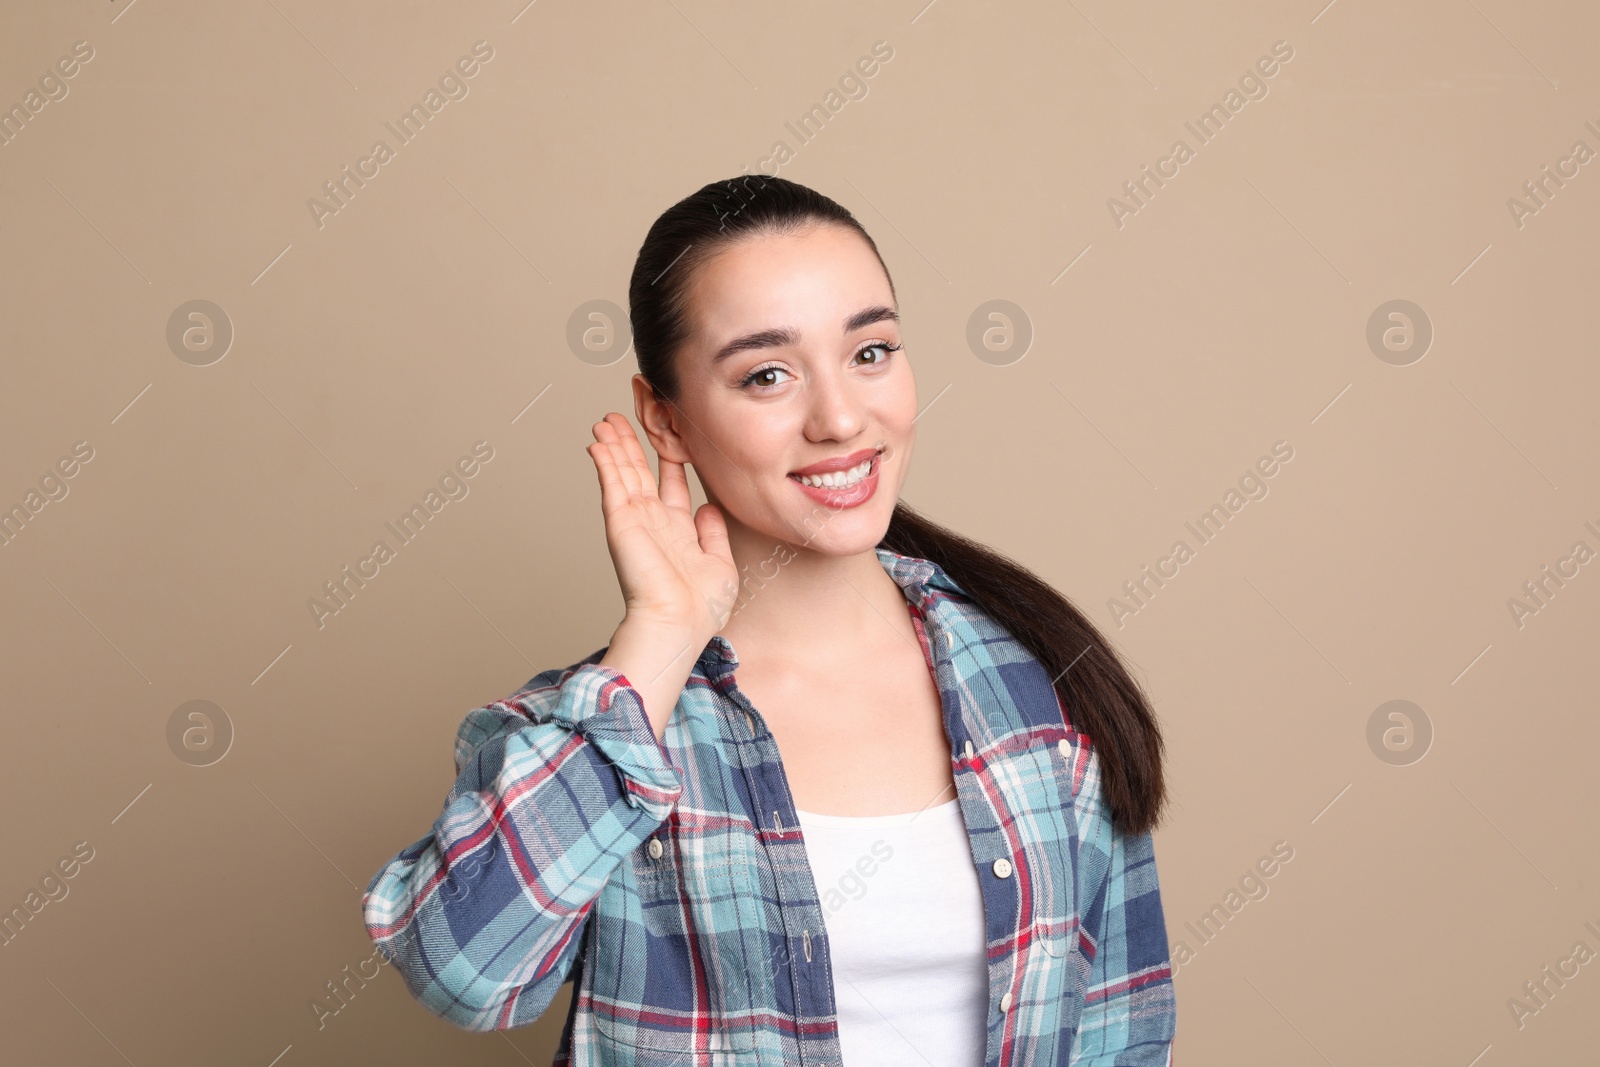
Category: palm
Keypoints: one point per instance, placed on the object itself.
(673, 564)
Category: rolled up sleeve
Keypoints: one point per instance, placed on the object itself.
(556, 785)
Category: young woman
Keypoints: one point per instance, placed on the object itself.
(907, 822)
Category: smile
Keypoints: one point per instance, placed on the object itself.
(837, 479)
(847, 488)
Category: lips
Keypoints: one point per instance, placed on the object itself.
(838, 463)
(839, 497)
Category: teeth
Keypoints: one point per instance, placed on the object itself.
(838, 479)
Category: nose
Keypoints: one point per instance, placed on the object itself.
(836, 411)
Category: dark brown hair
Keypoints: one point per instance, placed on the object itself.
(1102, 698)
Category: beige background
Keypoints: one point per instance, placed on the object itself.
(370, 352)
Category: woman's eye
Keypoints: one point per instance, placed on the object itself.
(762, 377)
(887, 350)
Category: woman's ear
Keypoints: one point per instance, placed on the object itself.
(660, 421)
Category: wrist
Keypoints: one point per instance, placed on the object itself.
(656, 662)
(654, 639)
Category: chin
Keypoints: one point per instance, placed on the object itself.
(840, 533)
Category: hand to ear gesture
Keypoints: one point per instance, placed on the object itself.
(674, 566)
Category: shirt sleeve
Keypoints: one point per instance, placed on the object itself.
(1129, 1011)
(555, 786)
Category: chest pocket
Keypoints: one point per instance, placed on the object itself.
(671, 974)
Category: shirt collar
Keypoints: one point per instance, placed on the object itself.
(917, 578)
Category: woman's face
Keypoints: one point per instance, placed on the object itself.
(792, 363)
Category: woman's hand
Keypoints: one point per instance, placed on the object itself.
(675, 568)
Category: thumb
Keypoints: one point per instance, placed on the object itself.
(712, 528)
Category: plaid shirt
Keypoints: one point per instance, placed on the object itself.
(669, 881)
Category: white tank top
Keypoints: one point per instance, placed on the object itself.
(904, 915)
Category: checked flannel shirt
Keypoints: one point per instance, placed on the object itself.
(669, 880)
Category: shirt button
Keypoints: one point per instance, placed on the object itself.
(968, 748)
(1002, 868)
(1005, 1001)
(1065, 746)
(949, 639)
(655, 848)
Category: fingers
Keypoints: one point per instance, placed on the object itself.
(610, 439)
(613, 494)
(635, 453)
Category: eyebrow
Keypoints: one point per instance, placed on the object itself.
(780, 336)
